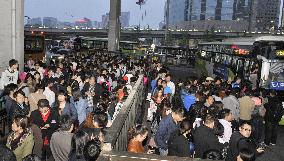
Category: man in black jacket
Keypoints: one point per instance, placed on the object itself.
(204, 138)
(240, 140)
(92, 91)
(274, 113)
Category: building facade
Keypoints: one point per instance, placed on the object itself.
(124, 19)
(268, 16)
(257, 15)
(105, 19)
(176, 11)
(34, 21)
(50, 22)
(84, 23)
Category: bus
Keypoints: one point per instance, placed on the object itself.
(257, 59)
(34, 46)
(94, 43)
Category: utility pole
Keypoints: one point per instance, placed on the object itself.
(114, 25)
(167, 19)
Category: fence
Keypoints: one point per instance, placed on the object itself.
(131, 111)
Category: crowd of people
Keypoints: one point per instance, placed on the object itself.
(59, 110)
(207, 118)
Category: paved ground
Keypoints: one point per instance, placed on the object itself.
(275, 153)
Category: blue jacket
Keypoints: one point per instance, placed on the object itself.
(166, 127)
(69, 110)
(153, 85)
(81, 107)
(187, 99)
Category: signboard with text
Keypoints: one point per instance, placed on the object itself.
(280, 53)
(277, 85)
(221, 71)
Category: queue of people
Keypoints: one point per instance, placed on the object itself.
(207, 118)
(60, 111)
(78, 97)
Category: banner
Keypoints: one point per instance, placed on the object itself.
(277, 85)
(221, 71)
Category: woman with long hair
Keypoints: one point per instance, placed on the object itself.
(136, 135)
(21, 140)
(80, 104)
(64, 107)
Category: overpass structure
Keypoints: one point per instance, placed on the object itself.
(129, 34)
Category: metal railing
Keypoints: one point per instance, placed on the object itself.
(127, 117)
(125, 156)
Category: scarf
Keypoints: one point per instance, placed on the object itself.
(15, 143)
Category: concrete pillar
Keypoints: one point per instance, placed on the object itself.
(11, 32)
(114, 25)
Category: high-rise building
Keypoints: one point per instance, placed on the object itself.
(124, 19)
(209, 9)
(34, 21)
(268, 14)
(226, 8)
(162, 25)
(96, 24)
(84, 23)
(228, 15)
(176, 11)
(105, 19)
(50, 22)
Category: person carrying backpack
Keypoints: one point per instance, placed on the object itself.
(274, 113)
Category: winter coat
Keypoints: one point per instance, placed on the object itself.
(178, 145)
(98, 92)
(81, 106)
(135, 147)
(204, 139)
(233, 104)
(166, 127)
(195, 110)
(9, 103)
(237, 142)
(60, 145)
(24, 146)
(246, 107)
(52, 120)
(69, 110)
(17, 110)
(274, 110)
(187, 99)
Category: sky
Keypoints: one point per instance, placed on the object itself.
(71, 10)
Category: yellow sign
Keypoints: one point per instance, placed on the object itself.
(280, 53)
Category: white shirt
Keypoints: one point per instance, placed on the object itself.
(172, 87)
(50, 95)
(227, 130)
(8, 76)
